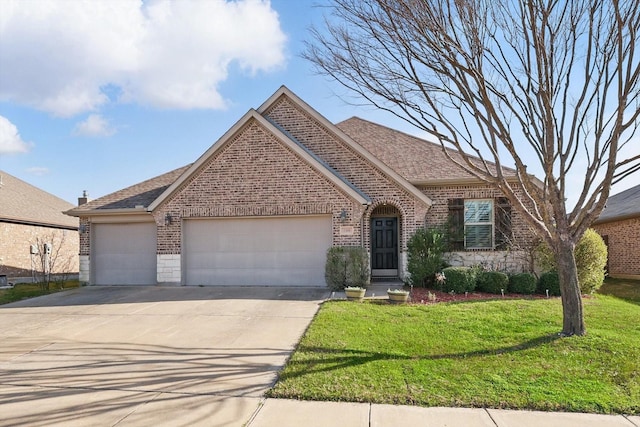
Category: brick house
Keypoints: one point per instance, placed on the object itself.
(619, 226)
(29, 215)
(265, 202)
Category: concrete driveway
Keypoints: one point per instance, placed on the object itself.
(138, 356)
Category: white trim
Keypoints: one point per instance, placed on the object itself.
(121, 218)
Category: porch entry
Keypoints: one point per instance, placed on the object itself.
(384, 247)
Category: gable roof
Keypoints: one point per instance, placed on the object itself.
(621, 206)
(295, 146)
(135, 198)
(405, 159)
(419, 161)
(23, 203)
(352, 143)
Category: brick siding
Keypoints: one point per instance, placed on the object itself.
(15, 255)
(623, 237)
(355, 168)
(256, 175)
(523, 236)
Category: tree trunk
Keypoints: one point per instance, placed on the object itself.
(572, 316)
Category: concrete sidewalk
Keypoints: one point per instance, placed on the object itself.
(293, 413)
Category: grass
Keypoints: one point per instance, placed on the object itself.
(30, 290)
(499, 354)
(622, 288)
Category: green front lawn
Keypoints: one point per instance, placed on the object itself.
(30, 290)
(500, 354)
(622, 288)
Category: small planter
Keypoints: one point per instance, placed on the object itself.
(355, 294)
(398, 296)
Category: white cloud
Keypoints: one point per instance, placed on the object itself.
(57, 55)
(38, 171)
(10, 140)
(94, 125)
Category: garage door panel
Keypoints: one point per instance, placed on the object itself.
(256, 251)
(124, 254)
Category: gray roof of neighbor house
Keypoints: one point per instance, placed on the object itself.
(142, 194)
(415, 159)
(23, 203)
(621, 206)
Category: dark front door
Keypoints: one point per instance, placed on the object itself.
(384, 246)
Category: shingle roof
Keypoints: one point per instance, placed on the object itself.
(22, 202)
(142, 194)
(622, 205)
(415, 159)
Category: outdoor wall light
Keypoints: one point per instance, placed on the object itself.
(82, 228)
(343, 215)
(168, 219)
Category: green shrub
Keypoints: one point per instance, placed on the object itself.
(550, 281)
(591, 258)
(493, 282)
(458, 280)
(346, 266)
(425, 251)
(522, 283)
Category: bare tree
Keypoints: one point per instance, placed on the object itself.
(48, 260)
(513, 83)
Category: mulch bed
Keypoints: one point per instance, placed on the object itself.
(430, 296)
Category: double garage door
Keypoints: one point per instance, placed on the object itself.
(281, 251)
(284, 251)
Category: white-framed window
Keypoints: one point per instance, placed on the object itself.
(478, 224)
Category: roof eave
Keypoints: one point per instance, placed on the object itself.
(453, 181)
(106, 212)
(38, 223)
(617, 218)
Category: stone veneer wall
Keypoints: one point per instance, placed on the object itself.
(624, 255)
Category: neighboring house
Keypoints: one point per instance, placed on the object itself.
(619, 226)
(266, 201)
(29, 216)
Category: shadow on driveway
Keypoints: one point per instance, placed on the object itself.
(147, 355)
(91, 295)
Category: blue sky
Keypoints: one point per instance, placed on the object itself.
(117, 132)
(100, 95)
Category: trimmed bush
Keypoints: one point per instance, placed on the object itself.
(591, 259)
(346, 266)
(425, 251)
(522, 283)
(492, 281)
(550, 281)
(458, 280)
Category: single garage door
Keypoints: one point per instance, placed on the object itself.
(124, 254)
(282, 251)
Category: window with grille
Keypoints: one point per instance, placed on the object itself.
(480, 224)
